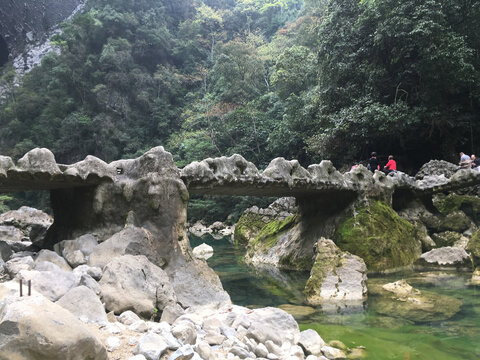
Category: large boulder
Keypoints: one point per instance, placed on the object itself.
(31, 222)
(399, 299)
(53, 257)
(437, 168)
(35, 328)
(445, 258)
(134, 283)
(130, 241)
(473, 247)
(196, 284)
(84, 304)
(77, 251)
(378, 235)
(336, 276)
(49, 280)
(254, 219)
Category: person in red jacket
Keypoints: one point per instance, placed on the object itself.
(391, 165)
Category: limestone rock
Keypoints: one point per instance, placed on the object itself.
(40, 161)
(476, 277)
(450, 238)
(399, 299)
(333, 353)
(49, 280)
(265, 322)
(336, 276)
(132, 282)
(473, 247)
(254, 219)
(94, 272)
(203, 251)
(171, 313)
(84, 303)
(10, 234)
(77, 251)
(185, 331)
(6, 164)
(280, 169)
(378, 235)
(151, 345)
(34, 325)
(445, 257)
(91, 166)
(31, 222)
(436, 168)
(128, 317)
(14, 266)
(129, 241)
(311, 342)
(51, 256)
(197, 284)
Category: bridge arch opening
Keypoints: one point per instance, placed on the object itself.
(4, 53)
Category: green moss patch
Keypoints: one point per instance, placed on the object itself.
(446, 204)
(379, 236)
(473, 247)
(248, 228)
(271, 232)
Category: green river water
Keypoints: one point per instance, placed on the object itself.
(384, 337)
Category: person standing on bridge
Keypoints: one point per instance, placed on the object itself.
(373, 163)
(391, 165)
(465, 161)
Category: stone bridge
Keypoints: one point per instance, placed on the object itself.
(233, 175)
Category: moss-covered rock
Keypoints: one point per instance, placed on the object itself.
(380, 237)
(467, 203)
(270, 233)
(446, 238)
(248, 227)
(456, 221)
(473, 247)
(336, 276)
(399, 299)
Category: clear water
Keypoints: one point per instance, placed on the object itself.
(384, 337)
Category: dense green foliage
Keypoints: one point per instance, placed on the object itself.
(305, 79)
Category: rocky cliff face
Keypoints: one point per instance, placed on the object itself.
(25, 23)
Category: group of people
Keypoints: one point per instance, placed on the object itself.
(469, 162)
(373, 164)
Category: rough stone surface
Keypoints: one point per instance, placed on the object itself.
(437, 168)
(151, 345)
(129, 241)
(32, 223)
(336, 276)
(378, 235)
(185, 331)
(77, 251)
(203, 251)
(35, 328)
(455, 257)
(311, 342)
(51, 256)
(49, 280)
(399, 299)
(132, 282)
(14, 266)
(84, 303)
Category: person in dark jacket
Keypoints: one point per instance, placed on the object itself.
(373, 163)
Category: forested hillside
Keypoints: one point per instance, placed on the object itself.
(306, 79)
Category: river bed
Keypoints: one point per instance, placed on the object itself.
(385, 337)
